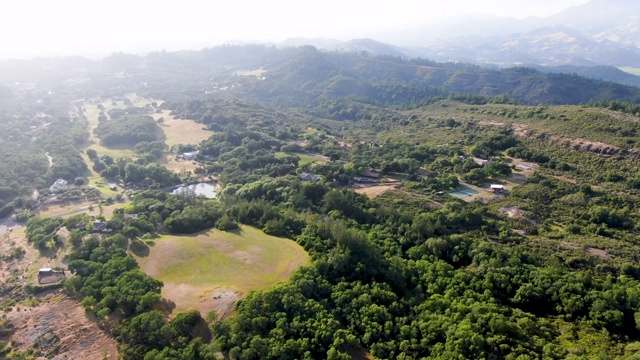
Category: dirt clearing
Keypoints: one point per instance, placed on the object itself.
(512, 212)
(60, 329)
(598, 252)
(374, 191)
(221, 300)
(178, 166)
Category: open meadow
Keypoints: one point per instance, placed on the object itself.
(181, 131)
(210, 270)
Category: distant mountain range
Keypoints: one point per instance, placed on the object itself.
(600, 32)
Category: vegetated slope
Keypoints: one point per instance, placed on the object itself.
(413, 273)
(388, 80)
(294, 76)
(33, 124)
(401, 278)
(604, 73)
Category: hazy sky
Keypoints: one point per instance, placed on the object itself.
(45, 27)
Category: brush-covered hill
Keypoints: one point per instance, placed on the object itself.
(374, 78)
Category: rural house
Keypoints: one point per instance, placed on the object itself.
(192, 155)
(58, 185)
(371, 173)
(479, 161)
(308, 177)
(50, 276)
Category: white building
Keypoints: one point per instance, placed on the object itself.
(192, 155)
(58, 186)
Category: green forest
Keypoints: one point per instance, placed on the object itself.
(547, 269)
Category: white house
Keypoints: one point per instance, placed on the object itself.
(192, 155)
(308, 177)
(58, 186)
(479, 161)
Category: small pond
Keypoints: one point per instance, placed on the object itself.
(204, 189)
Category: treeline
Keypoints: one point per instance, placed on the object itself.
(628, 107)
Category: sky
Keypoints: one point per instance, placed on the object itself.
(99, 27)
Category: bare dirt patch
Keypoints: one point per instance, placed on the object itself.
(564, 178)
(178, 166)
(490, 123)
(598, 252)
(521, 130)
(17, 270)
(511, 211)
(321, 158)
(579, 144)
(374, 191)
(585, 145)
(60, 328)
(570, 245)
(221, 300)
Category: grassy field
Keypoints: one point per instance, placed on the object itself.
(194, 267)
(631, 70)
(256, 72)
(304, 159)
(92, 208)
(181, 131)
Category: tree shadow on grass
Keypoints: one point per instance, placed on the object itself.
(167, 306)
(237, 231)
(139, 248)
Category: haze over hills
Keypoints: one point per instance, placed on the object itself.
(596, 33)
(614, 20)
(306, 74)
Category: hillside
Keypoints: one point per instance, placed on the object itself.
(353, 76)
(604, 73)
(360, 206)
